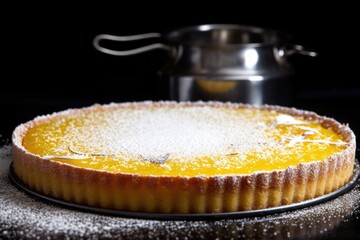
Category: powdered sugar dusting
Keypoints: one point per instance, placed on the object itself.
(26, 217)
(179, 132)
(283, 119)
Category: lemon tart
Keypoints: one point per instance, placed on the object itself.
(167, 157)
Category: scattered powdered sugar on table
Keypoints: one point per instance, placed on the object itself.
(23, 216)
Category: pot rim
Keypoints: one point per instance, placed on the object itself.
(176, 36)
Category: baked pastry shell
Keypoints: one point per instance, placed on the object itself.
(181, 194)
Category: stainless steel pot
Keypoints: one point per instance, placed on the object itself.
(222, 62)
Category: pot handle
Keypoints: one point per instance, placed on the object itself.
(291, 49)
(99, 38)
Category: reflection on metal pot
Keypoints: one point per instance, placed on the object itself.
(222, 62)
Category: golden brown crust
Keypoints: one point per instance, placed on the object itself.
(184, 194)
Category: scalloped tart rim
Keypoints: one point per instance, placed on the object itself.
(167, 194)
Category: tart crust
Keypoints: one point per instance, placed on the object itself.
(177, 194)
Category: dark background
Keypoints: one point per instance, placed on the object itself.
(49, 63)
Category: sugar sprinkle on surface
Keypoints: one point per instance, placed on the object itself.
(194, 139)
(152, 132)
(25, 217)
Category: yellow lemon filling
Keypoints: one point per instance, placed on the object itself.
(182, 141)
